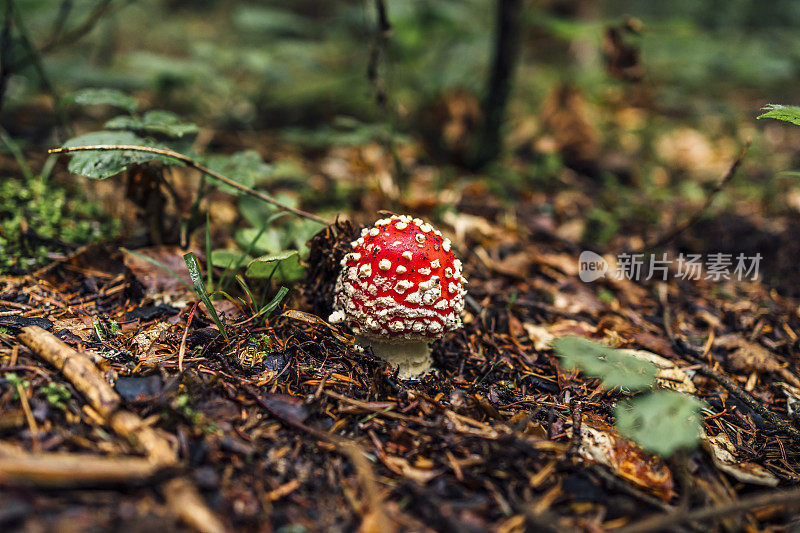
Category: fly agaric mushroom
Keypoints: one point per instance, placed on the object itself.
(400, 288)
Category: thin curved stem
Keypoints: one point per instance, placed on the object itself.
(189, 162)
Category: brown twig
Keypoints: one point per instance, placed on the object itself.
(73, 470)
(667, 522)
(189, 162)
(181, 495)
(182, 349)
(692, 220)
(696, 356)
(75, 366)
(746, 398)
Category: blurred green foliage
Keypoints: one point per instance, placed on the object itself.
(39, 217)
(300, 68)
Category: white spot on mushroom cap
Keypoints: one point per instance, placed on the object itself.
(420, 238)
(385, 264)
(424, 271)
(374, 231)
(408, 255)
(426, 228)
(435, 263)
(446, 245)
(401, 269)
(402, 286)
(365, 270)
(401, 225)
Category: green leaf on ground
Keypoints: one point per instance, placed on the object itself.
(104, 164)
(661, 422)
(154, 122)
(242, 167)
(262, 267)
(226, 258)
(110, 97)
(786, 113)
(614, 367)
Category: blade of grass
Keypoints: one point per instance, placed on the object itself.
(200, 289)
(249, 294)
(160, 265)
(267, 284)
(13, 147)
(209, 270)
(274, 303)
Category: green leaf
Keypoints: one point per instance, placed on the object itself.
(661, 422)
(787, 113)
(242, 167)
(270, 241)
(257, 212)
(614, 367)
(154, 122)
(226, 258)
(110, 97)
(200, 289)
(262, 267)
(102, 165)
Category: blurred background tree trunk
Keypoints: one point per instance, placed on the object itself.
(506, 52)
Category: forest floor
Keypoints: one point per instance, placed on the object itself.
(320, 437)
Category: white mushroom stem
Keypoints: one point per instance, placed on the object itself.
(413, 358)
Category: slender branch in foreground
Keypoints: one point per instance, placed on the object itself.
(692, 220)
(667, 522)
(189, 162)
(181, 495)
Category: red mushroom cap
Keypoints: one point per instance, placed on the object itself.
(400, 282)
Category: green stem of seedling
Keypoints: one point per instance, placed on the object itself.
(13, 147)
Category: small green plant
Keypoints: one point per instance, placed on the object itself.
(181, 405)
(40, 217)
(15, 381)
(162, 137)
(200, 290)
(660, 421)
(57, 395)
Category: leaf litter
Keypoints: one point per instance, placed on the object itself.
(320, 435)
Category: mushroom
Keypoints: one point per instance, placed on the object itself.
(400, 288)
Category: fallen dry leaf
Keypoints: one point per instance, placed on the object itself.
(669, 376)
(749, 356)
(722, 451)
(142, 342)
(600, 443)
